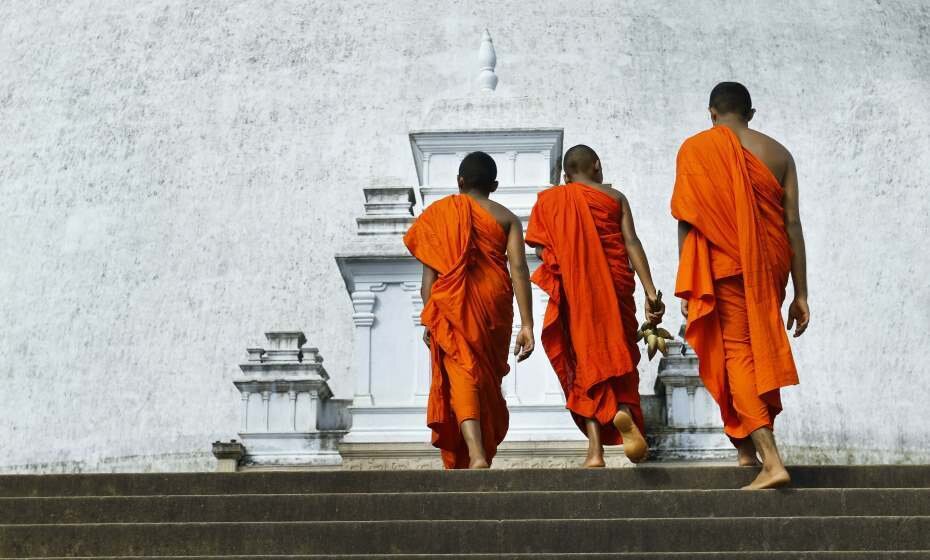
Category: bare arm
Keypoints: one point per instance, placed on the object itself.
(426, 285)
(520, 276)
(684, 228)
(634, 248)
(798, 311)
(426, 288)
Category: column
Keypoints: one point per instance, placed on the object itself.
(547, 158)
(419, 351)
(512, 158)
(426, 178)
(363, 303)
(314, 413)
(266, 400)
(292, 394)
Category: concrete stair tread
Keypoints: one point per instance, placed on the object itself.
(789, 555)
(490, 537)
(649, 476)
(806, 502)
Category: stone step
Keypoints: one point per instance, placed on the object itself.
(791, 555)
(811, 502)
(646, 477)
(488, 537)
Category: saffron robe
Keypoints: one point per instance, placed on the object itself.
(589, 331)
(469, 316)
(733, 271)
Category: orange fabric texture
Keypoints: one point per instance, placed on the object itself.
(469, 316)
(733, 271)
(589, 331)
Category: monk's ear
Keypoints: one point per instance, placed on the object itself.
(713, 115)
(752, 113)
(493, 187)
(461, 183)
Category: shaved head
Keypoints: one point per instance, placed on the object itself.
(580, 159)
(731, 98)
(478, 172)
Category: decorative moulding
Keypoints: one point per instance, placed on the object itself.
(504, 144)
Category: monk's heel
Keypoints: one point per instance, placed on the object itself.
(634, 444)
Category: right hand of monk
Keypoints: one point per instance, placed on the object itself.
(684, 309)
(524, 344)
(799, 313)
(426, 337)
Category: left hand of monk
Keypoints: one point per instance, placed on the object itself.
(655, 310)
(799, 313)
(524, 344)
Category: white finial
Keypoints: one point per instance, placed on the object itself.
(487, 60)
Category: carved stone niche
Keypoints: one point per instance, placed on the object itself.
(690, 425)
(289, 418)
(528, 160)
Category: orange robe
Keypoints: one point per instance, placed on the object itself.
(469, 316)
(589, 331)
(733, 270)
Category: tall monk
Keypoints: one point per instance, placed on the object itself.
(739, 236)
(584, 234)
(465, 242)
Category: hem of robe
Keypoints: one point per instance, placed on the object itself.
(557, 343)
(704, 334)
(441, 418)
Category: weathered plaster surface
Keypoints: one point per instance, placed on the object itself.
(176, 177)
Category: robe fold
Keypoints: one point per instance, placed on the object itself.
(469, 316)
(589, 330)
(733, 271)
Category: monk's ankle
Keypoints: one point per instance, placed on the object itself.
(479, 464)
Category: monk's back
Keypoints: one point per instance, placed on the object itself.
(770, 152)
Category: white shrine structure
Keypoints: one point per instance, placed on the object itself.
(288, 416)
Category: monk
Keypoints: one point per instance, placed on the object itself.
(739, 236)
(584, 235)
(465, 242)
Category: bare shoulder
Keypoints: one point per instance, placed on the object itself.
(502, 214)
(768, 145)
(775, 156)
(612, 192)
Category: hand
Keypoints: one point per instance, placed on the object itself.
(684, 309)
(426, 338)
(799, 313)
(655, 310)
(525, 343)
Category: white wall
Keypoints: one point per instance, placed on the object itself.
(176, 177)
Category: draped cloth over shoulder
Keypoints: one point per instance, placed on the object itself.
(590, 325)
(469, 316)
(733, 270)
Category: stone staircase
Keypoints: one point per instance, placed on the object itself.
(648, 512)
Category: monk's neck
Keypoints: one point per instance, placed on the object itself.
(477, 195)
(587, 181)
(734, 124)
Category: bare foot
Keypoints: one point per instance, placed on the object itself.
(478, 464)
(634, 444)
(594, 462)
(746, 454)
(770, 478)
